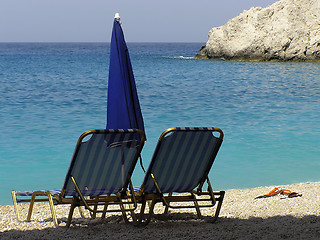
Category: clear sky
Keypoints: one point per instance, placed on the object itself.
(91, 20)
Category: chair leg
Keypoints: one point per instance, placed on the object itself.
(95, 208)
(141, 221)
(141, 215)
(151, 208)
(72, 207)
(210, 190)
(105, 208)
(15, 204)
(220, 200)
(133, 215)
(53, 211)
(31, 207)
(124, 215)
(167, 207)
(196, 205)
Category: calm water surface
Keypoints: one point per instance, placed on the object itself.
(51, 93)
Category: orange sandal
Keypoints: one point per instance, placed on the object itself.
(277, 191)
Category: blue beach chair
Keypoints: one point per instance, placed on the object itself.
(99, 175)
(180, 164)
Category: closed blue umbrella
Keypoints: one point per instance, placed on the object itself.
(123, 107)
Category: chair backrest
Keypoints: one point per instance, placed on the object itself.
(182, 159)
(103, 161)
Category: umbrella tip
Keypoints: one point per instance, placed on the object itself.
(117, 16)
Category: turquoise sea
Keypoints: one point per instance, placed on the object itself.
(52, 92)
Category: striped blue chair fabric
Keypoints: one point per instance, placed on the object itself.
(102, 164)
(99, 165)
(181, 160)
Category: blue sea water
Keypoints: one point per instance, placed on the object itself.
(52, 92)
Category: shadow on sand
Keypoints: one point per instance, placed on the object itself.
(180, 226)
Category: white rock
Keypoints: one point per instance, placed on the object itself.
(285, 30)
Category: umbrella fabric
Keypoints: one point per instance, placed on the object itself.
(123, 107)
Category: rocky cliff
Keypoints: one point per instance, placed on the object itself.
(286, 30)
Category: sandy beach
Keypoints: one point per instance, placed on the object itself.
(241, 217)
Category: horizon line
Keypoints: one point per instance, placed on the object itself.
(95, 42)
